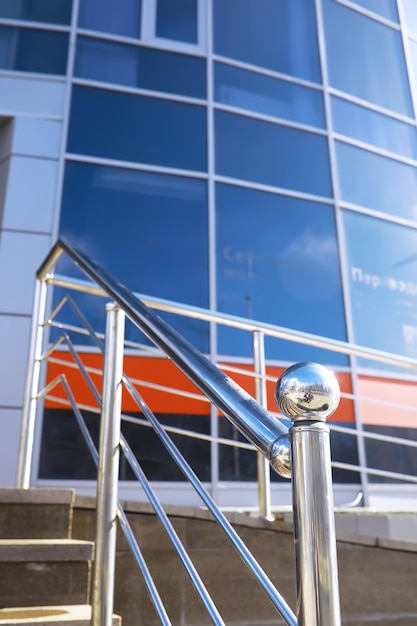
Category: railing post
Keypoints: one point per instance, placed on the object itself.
(108, 470)
(30, 400)
(264, 469)
(308, 394)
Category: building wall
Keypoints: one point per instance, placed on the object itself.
(250, 156)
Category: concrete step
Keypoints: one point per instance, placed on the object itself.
(62, 615)
(44, 572)
(22, 517)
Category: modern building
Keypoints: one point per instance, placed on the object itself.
(255, 157)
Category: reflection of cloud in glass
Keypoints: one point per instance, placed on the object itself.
(310, 267)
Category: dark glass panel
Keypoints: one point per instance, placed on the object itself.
(137, 128)
(119, 17)
(52, 11)
(270, 96)
(382, 266)
(385, 8)
(370, 65)
(27, 50)
(391, 457)
(377, 182)
(177, 20)
(64, 454)
(277, 262)
(148, 230)
(145, 68)
(271, 154)
(280, 36)
(374, 128)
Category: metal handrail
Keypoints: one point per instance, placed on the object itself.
(173, 307)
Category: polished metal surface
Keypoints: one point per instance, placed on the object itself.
(108, 470)
(264, 470)
(239, 407)
(307, 391)
(30, 400)
(308, 394)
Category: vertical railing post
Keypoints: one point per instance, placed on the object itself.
(308, 394)
(264, 469)
(108, 470)
(30, 400)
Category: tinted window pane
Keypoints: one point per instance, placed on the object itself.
(386, 8)
(374, 128)
(177, 20)
(410, 11)
(148, 230)
(277, 258)
(137, 128)
(365, 64)
(413, 54)
(141, 67)
(280, 36)
(53, 11)
(271, 154)
(271, 96)
(27, 50)
(382, 260)
(377, 182)
(121, 17)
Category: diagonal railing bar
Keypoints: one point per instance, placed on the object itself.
(173, 536)
(126, 528)
(376, 472)
(274, 596)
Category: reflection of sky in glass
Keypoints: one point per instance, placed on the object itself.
(377, 182)
(365, 57)
(375, 128)
(386, 8)
(410, 11)
(382, 266)
(277, 261)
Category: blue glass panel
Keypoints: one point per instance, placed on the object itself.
(377, 182)
(374, 128)
(120, 17)
(27, 50)
(271, 96)
(271, 154)
(277, 261)
(386, 8)
(382, 261)
(137, 128)
(371, 64)
(413, 54)
(52, 11)
(410, 11)
(280, 36)
(177, 20)
(148, 230)
(140, 67)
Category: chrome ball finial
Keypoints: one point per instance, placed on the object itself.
(307, 392)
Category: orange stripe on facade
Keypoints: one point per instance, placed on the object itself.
(160, 371)
(374, 391)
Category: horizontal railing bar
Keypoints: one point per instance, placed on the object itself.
(334, 345)
(375, 472)
(377, 436)
(241, 409)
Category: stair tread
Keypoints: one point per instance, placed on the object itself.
(45, 550)
(37, 495)
(74, 614)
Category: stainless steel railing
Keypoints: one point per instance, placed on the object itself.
(307, 394)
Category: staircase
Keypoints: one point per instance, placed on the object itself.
(45, 575)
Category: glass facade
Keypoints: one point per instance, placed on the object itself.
(262, 162)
